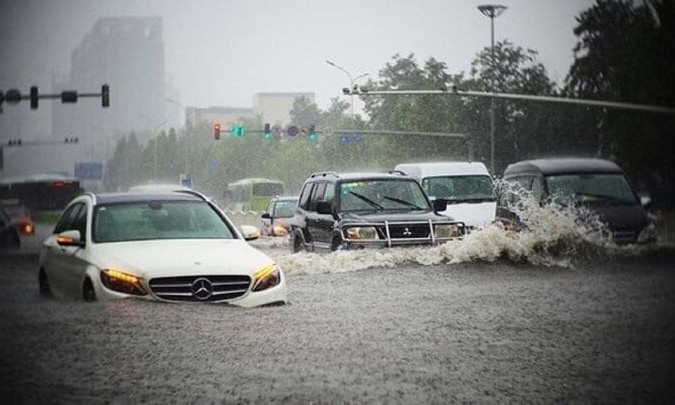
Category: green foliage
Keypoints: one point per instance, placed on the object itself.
(625, 53)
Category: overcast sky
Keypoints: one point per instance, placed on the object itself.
(221, 52)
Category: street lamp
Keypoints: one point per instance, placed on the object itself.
(352, 81)
(492, 11)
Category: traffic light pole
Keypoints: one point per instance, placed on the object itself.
(14, 96)
(468, 93)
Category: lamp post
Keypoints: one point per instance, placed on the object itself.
(492, 11)
(352, 81)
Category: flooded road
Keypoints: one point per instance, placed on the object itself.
(447, 324)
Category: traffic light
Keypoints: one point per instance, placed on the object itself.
(237, 130)
(216, 131)
(14, 142)
(105, 96)
(311, 135)
(72, 139)
(33, 97)
(267, 132)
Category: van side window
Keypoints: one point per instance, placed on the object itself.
(537, 188)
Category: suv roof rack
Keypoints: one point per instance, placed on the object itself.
(323, 174)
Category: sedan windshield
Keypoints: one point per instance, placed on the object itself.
(590, 188)
(382, 195)
(158, 220)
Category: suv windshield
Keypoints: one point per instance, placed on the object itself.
(382, 195)
(157, 220)
(460, 188)
(584, 188)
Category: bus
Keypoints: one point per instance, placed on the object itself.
(252, 194)
(42, 192)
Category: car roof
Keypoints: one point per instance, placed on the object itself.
(156, 188)
(562, 166)
(123, 197)
(352, 176)
(453, 168)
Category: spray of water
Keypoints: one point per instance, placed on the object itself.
(550, 235)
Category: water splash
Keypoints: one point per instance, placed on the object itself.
(552, 235)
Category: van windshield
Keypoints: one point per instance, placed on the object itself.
(590, 188)
(458, 189)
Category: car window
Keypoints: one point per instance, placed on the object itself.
(459, 188)
(158, 220)
(589, 187)
(317, 195)
(284, 209)
(67, 220)
(305, 195)
(382, 195)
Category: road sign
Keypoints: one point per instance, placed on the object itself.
(186, 180)
(89, 170)
(350, 138)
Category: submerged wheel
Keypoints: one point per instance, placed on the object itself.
(296, 242)
(88, 292)
(43, 284)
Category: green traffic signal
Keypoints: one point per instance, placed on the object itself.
(267, 133)
(312, 136)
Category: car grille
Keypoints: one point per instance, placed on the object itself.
(200, 288)
(408, 231)
(624, 237)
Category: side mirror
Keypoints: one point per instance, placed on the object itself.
(645, 200)
(70, 238)
(440, 204)
(266, 215)
(250, 232)
(324, 207)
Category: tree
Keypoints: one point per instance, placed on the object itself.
(625, 53)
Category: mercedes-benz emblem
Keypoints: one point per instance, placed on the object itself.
(406, 232)
(202, 289)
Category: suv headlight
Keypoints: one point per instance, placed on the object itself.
(447, 231)
(362, 233)
(120, 281)
(266, 277)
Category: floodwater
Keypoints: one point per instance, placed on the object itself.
(554, 314)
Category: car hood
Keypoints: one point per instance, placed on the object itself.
(622, 217)
(393, 216)
(166, 258)
(473, 214)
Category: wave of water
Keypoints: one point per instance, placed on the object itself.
(555, 235)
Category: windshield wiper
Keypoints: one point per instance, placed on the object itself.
(404, 202)
(368, 200)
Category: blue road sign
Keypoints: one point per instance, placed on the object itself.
(89, 170)
(350, 138)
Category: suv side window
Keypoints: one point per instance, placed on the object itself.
(303, 201)
(317, 195)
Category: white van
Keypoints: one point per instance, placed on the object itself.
(466, 186)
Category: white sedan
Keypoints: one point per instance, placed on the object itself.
(173, 246)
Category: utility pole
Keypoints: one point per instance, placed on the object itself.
(492, 11)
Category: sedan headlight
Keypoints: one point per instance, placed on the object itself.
(266, 277)
(447, 231)
(120, 281)
(362, 233)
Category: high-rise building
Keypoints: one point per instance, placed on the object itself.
(127, 53)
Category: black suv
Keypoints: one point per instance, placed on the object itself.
(356, 210)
